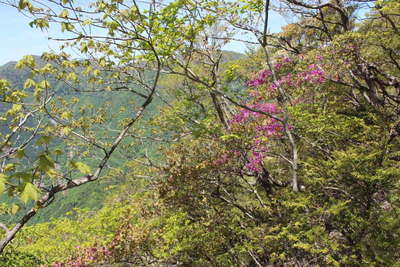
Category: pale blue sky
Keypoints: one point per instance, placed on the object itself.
(19, 39)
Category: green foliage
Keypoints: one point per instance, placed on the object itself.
(196, 199)
(12, 258)
(56, 240)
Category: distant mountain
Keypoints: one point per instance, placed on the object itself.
(90, 196)
(231, 56)
(17, 77)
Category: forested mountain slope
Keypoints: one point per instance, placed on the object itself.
(91, 196)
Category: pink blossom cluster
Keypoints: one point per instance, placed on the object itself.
(314, 75)
(260, 79)
(287, 80)
(244, 114)
(282, 62)
(255, 162)
(270, 129)
(266, 127)
(262, 76)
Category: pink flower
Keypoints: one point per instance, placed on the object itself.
(266, 107)
(277, 66)
(287, 60)
(315, 75)
(270, 129)
(260, 79)
(244, 114)
(255, 161)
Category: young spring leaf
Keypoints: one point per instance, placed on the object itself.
(14, 209)
(2, 183)
(30, 192)
(82, 167)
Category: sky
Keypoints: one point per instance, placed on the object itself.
(19, 39)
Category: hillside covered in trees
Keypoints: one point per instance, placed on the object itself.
(143, 142)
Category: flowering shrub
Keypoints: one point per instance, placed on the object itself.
(263, 112)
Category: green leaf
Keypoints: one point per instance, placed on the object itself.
(2, 183)
(229, 136)
(82, 167)
(66, 26)
(26, 61)
(45, 163)
(14, 209)
(29, 83)
(30, 192)
(64, 14)
(58, 152)
(87, 22)
(26, 176)
(20, 154)
(9, 167)
(22, 4)
(40, 23)
(72, 76)
(66, 130)
(66, 115)
(14, 109)
(43, 140)
(43, 84)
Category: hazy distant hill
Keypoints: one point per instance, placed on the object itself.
(16, 76)
(92, 195)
